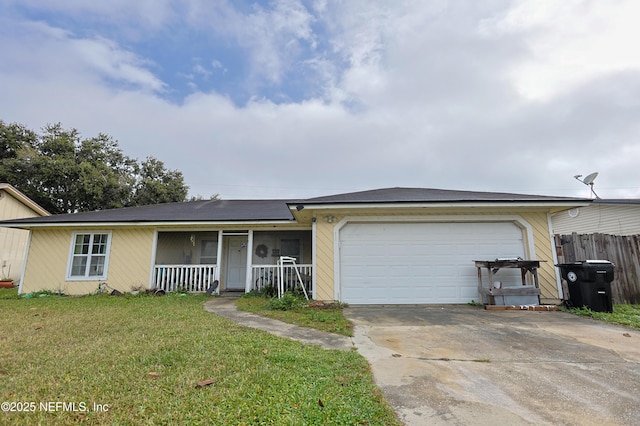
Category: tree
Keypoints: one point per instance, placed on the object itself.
(199, 197)
(13, 138)
(155, 184)
(65, 173)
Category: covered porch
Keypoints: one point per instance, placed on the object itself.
(232, 260)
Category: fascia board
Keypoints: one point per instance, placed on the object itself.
(350, 206)
(144, 224)
(28, 202)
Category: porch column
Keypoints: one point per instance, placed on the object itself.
(247, 286)
(313, 257)
(154, 253)
(219, 260)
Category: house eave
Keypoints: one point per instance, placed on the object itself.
(156, 224)
(425, 205)
(28, 202)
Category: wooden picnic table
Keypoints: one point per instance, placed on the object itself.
(487, 294)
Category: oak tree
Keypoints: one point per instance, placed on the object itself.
(66, 173)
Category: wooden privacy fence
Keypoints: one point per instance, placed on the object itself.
(622, 250)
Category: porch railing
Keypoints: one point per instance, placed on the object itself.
(198, 278)
(189, 278)
(268, 275)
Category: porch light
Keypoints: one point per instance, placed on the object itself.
(192, 238)
(329, 219)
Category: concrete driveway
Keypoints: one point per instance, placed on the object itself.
(462, 365)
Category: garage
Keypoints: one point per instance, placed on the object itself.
(421, 263)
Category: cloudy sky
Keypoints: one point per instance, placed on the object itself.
(301, 98)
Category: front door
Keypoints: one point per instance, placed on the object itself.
(236, 265)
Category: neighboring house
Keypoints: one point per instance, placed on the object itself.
(606, 229)
(385, 246)
(602, 216)
(13, 242)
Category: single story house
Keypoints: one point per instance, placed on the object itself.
(602, 216)
(384, 246)
(13, 242)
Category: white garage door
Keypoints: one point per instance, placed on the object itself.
(405, 263)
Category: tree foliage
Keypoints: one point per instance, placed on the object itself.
(65, 173)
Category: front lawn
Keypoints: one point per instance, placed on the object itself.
(138, 360)
(296, 310)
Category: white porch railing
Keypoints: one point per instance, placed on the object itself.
(198, 278)
(189, 278)
(268, 275)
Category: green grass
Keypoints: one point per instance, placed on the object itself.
(296, 310)
(627, 315)
(143, 357)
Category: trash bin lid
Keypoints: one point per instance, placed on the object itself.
(582, 262)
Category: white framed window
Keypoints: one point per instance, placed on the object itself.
(208, 252)
(291, 248)
(89, 256)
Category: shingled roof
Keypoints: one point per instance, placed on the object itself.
(193, 211)
(278, 210)
(428, 195)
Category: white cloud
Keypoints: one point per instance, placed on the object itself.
(44, 50)
(109, 60)
(217, 65)
(414, 95)
(570, 42)
(272, 36)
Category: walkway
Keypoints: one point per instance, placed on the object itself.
(226, 307)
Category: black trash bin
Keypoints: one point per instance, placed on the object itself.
(589, 283)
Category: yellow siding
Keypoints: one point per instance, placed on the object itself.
(10, 208)
(47, 261)
(13, 242)
(537, 219)
(130, 257)
(132, 248)
(324, 261)
(544, 251)
(129, 261)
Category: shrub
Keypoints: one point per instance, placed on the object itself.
(287, 302)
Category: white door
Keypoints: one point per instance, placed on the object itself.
(236, 264)
(414, 263)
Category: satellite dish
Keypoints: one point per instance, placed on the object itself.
(588, 180)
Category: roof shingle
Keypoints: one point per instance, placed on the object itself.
(193, 211)
(277, 210)
(427, 195)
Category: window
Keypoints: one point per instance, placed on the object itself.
(290, 248)
(208, 252)
(89, 256)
